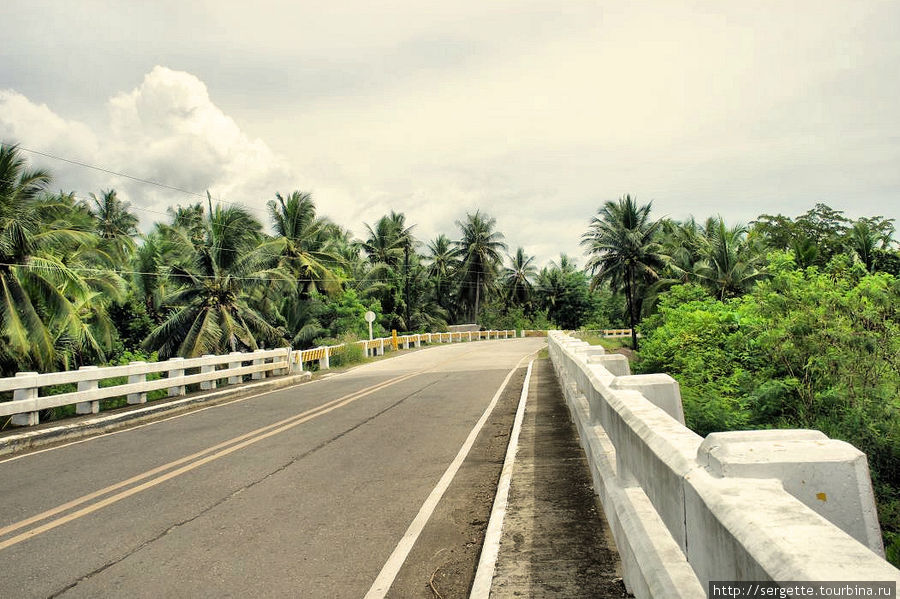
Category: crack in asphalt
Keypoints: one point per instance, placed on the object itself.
(238, 491)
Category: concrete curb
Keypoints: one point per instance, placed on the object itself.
(490, 549)
(111, 422)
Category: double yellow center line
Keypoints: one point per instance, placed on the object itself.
(59, 516)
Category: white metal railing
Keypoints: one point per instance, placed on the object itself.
(27, 400)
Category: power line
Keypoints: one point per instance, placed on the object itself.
(126, 175)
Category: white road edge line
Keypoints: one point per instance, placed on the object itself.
(484, 575)
(392, 566)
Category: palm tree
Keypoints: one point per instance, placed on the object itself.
(303, 243)
(211, 311)
(623, 250)
(729, 264)
(36, 285)
(479, 252)
(863, 243)
(115, 225)
(407, 243)
(390, 249)
(518, 277)
(442, 267)
(683, 243)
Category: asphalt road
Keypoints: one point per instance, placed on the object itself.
(302, 492)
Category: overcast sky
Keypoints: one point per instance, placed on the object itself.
(535, 112)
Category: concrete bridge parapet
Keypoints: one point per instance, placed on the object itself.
(785, 505)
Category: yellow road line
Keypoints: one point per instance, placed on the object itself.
(235, 443)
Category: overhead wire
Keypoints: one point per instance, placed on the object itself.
(127, 176)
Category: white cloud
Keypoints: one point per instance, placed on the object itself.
(166, 130)
(535, 112)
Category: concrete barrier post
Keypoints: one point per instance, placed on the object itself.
(205, 369)
(616, 364)
(296, 362)
(418, 341)
(830, 477)
(140, 396)
(380, 348)
(285, 359)
(88, 407)
(259, 375)
(174, 373)
(26, 418)
(661, 389)
(236, 363)
(406, 342)
(324, 362)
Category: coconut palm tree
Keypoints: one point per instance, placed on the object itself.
(115, 225)
(518, 277)
(211, 310)
(303, 243)
(442, 265)
(36, 285)
(863, 243)
(624, 252)
(729, 266)
(390, 249)
(479, 251)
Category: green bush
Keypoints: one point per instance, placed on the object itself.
(807, 348)
(350, 353)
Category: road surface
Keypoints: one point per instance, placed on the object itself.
(301, 492)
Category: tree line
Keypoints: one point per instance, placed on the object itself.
(79, 284)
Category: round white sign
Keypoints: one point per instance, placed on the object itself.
(370, 316)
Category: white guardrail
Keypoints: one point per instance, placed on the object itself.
(767, 505)
(27, 401)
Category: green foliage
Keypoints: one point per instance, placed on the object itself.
(703, 342)
(350, 353)
(807, 348)
(345, 314)
(563, 292)
(494, 317)
(607, 311)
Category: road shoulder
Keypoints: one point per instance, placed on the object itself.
(555, 540)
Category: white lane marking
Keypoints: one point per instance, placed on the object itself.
(484, 575)
(389, 571)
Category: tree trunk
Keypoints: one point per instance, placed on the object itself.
(477, 296)
(406, 286)
(629, 299)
